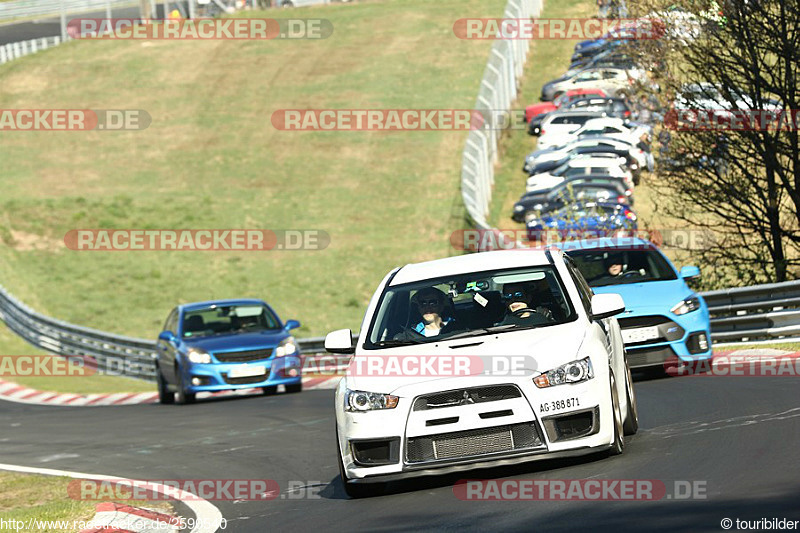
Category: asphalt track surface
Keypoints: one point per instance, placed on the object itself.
(739, 435)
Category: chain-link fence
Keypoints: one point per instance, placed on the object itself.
(498, 90)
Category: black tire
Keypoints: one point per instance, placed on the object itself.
(165, 397)
(293, 389)
(631, 424)
(356, 490)
(637, 178)
(287, 4)
(619, 443)
(183, 396)
(269, 391)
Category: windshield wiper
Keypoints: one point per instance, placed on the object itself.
(395, 342)
(482, 331)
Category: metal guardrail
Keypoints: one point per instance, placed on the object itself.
(22, 9)
(118, 354)
(498, 90)
(12, 51)
(760, 312)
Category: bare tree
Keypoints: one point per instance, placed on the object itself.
(741, 180)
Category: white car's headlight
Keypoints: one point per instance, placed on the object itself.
(572, 372)
(198, 356)
(355, 400)
(287, 346)
(686, 306)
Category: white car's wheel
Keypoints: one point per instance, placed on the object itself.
(631, 425)
(619, 444)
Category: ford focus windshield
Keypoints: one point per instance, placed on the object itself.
(467, 305)
(615, 267)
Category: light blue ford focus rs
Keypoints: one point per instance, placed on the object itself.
(665, 322)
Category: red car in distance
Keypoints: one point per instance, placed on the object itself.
(546, 107)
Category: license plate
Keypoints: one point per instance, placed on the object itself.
(247, 371)
(630, 336)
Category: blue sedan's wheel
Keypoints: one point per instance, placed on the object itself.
(269, 391)
(294, 388)
(183, 396)
(165, 397)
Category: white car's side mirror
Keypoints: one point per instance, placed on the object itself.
(340, 341)
(606, 305)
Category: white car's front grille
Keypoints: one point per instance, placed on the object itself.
(466, 397)
(471, 443)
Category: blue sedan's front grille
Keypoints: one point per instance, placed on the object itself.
(241, 357)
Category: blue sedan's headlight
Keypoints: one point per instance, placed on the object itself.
(572, 372)
(198, 356)
(686, 306)
(288, 346)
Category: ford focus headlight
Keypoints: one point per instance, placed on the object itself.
(198, 356)
(686, 306)
(572, 372)
(355, 401)
(287, 346)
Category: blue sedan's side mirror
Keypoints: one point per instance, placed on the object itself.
(166, 336)
(689, 272)
(291, 324)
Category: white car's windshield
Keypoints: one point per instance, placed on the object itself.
(467, 305)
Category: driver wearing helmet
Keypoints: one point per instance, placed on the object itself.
(520, 310)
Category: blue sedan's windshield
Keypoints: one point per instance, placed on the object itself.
(615, 267)
(223, 319)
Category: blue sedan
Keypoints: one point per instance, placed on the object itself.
(665, 323)
(223, 345)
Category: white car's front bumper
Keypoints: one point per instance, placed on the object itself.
(480, 431)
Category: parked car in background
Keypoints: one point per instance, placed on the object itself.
(606, 127)
(588, 165)
(564, 122)
(536, 113)
(611, 107)
(612, 81)
(595, 188)
(600, 218)
(223, 345)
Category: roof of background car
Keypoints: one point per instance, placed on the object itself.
(464, 264)
(605, 244)
(236, 301)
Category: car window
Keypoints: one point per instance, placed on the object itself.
(584, 291)
(172, 322)
(639, 266)
(226, 319)
(467, 305)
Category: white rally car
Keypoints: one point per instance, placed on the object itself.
(569, 393)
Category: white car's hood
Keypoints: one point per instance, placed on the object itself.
(535, 350)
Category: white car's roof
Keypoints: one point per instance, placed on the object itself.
(604, 121)
(594, 162)
(475, 262)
